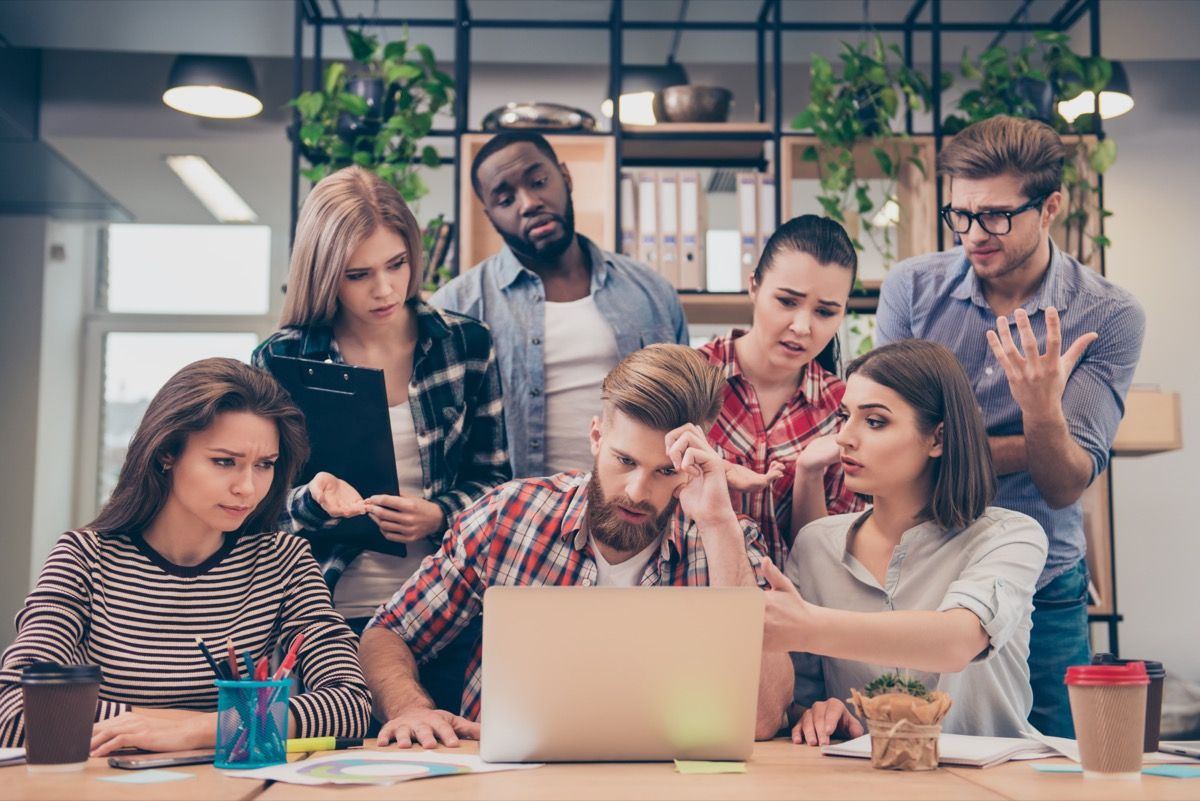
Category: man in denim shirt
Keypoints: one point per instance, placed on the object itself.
(562, 311)
(1050, 347)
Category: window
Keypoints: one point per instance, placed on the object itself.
(166, 295)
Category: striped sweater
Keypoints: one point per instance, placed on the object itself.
(111, 600)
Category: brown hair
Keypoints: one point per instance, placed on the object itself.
(1003, 145)
(930, 380)
(190, 401)
(342, 211)
(664, 386)
(827, 242)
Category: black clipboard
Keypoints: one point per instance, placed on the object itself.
(346, 412)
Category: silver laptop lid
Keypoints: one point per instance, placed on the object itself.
(608, 674)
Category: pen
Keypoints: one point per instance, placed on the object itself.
(289, 661)
(322, 744)
(231, 659)
(208, 657)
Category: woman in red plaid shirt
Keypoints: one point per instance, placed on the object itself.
(782, 390)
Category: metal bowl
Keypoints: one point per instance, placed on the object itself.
(696, 103)
(544, 116)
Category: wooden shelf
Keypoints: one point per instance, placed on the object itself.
(679, 142)
(916, 191)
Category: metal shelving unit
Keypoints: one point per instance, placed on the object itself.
(923, 16)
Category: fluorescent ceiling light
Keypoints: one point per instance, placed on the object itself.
(212, 190)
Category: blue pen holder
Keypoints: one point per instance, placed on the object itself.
(252, 723)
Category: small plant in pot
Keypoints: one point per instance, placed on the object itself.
(904, 720)
(376, 117)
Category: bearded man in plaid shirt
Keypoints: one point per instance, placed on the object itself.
(654, 511)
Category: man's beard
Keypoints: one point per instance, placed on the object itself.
(608, 528)
(547, 252)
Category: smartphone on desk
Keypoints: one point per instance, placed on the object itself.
(141, 761)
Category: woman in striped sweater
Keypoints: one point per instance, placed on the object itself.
(179, 552)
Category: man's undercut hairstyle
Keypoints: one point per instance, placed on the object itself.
(930, 379)
(665, 386)
(1003, 145)
(506, 139)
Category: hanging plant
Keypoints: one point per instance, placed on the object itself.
(1019, 84)
(858, 106)
(377, 118)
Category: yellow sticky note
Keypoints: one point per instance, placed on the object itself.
(694, 766)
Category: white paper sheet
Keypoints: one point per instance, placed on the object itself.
(359, 766)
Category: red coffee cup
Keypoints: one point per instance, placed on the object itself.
(1108, 705)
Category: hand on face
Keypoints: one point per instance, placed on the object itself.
(819, 454)
(705, 495)
(402, 518)
(1037, 380)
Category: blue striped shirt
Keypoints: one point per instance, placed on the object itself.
(937, 297)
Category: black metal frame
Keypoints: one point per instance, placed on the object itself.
(769, 20)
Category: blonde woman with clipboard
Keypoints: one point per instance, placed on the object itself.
(352, 299)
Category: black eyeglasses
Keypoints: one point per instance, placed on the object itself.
(996, 223)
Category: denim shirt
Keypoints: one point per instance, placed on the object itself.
(937, 297)
(639, 304)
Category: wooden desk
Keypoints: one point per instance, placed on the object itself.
(207, 784)
(778, 770)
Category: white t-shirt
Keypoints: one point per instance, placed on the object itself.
(628, 573)
(580, 350)
(373, 577)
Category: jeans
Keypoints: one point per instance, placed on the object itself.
(1059, 639)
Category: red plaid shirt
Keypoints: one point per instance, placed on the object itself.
(526, 532)
(742, 437)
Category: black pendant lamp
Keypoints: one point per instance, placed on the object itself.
(222, 87)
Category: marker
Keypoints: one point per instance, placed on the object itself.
(322, 744)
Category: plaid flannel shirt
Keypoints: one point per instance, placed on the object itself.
(741, 436)
(527, 532)
(457, 410)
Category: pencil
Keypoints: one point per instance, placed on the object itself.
(231, 659)
(208, 657)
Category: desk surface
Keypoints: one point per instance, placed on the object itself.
(207, 783)
(778, 770)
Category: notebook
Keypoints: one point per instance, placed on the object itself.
(960, 749)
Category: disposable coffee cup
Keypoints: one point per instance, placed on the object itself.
(59, 703)
(1154, 696)
(1108, 706)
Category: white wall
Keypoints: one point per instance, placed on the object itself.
(21, 265)
(1153, 191)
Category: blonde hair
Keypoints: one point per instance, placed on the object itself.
(341, 212)
(664, 386)
(1003, 145)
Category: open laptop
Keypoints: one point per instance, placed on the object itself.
(595, 674)
(1187, 748)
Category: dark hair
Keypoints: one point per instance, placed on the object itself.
(503, 140)
(827, 242)
(189, 402)
(665, 386)
(1003, 145)
(930, 380)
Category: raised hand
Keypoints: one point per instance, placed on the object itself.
(1037, 380)
(743, 479)
(335, 496)
(786, 613)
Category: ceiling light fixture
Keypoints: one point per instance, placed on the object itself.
(213, 86)
(211, 189)
(1115, 98)
(641, 83)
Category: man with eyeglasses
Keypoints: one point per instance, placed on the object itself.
(1050, 347)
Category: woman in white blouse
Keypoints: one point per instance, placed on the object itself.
(930, 580)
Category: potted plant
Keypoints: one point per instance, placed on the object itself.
(852, 108)
(904, 721)
(1029, 83)
(377, 118)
